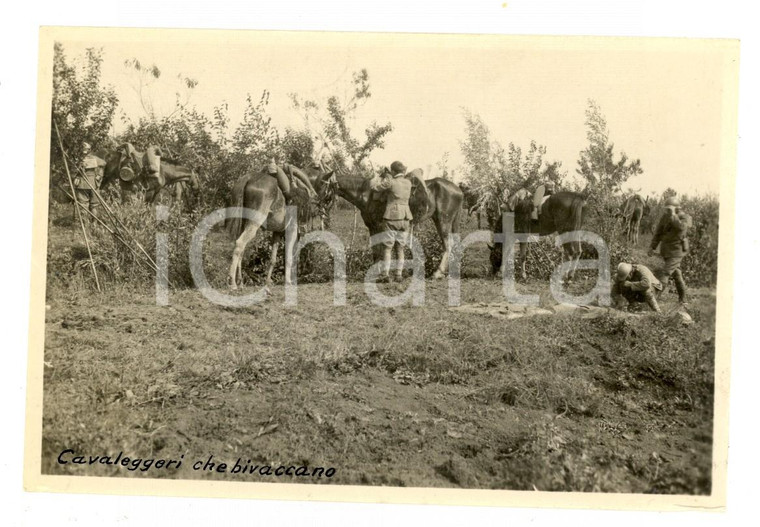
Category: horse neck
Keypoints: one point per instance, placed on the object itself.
(354, 189)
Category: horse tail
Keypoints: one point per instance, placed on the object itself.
(576, 213)
(235, 223)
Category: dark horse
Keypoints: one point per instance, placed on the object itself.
(560, 213)
(148, 170)
(260, 193)
(435, 198)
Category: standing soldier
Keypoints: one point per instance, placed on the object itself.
(670, 235)
(88, 179)
(635, 283)
(396, 217)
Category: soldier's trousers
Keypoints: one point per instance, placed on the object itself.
(87, 199)
(647, 297)
(395, 235)
(672, 269)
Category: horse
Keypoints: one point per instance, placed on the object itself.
(134, 170)
(632, 211)
(178, 177)
(471, 201)
(436, 198)
(261, 193)
(560, 213)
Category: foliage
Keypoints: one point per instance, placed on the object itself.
(444, 170)
(328, 122)
(218, 154)
(82, 109)
(494, 172)
(700, 265)
(144, 82)
(297, 147)
(596, 164)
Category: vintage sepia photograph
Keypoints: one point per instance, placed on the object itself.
(383, 267)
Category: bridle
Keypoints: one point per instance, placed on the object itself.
(325, 199)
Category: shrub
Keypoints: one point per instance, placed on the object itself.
(700, 266)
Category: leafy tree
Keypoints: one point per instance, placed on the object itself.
(494, 172)
(443, 167)
(297, 147)
(82, 109)
(668, 193)
(596, 165)
(219, 155)
(330, 127)
(145, 83)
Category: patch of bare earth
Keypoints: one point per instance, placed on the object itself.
(410, 396)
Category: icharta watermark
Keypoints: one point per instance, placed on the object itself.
(414, 293)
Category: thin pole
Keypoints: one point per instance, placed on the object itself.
(119, 224)
(116, 235)
(79, 214)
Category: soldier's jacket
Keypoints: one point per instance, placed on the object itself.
(641, 279)
(92, 166)
(397, 189)
(670, 235)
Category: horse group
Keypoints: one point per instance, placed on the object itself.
(149, 171)
(435, 199)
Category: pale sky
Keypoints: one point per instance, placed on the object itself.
(662, 99)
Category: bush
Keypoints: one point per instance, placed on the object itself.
(700, 265)
(114, 261)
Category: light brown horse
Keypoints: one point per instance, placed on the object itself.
(260, 193)
(560, 213)
(435, 198)
(632, 211)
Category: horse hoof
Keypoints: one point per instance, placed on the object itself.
(438, 275)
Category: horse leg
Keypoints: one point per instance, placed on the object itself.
(248, 234)
(290, 245)
(636, 231)
(444, 235)
(575, 257)
(568, 255)
(523, 257)
(276, 237)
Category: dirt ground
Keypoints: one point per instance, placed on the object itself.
(408, 396)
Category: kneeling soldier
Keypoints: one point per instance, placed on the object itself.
(635, 283)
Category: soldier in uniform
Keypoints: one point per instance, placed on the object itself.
(396, 217)
(670, 235)
(88, 179)
(635, 283)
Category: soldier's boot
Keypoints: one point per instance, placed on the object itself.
(400, 265)
(651, 301)
(664, 279)
(680, 286)
(384, 275)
